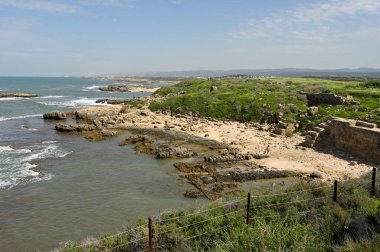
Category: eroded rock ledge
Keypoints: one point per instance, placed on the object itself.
(145, 144)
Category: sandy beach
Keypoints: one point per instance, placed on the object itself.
(285, 153)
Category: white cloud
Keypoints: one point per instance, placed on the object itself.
(313, 21)
(40, 5)
(324, 11)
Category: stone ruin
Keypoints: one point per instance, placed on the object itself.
(327, 98)
(359, 138)
(284, 129)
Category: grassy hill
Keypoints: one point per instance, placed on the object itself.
(262, 100)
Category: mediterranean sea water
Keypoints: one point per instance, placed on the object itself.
(56, 187)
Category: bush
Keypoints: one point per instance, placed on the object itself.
(371, 84)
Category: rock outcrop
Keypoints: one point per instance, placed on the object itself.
(115, 88)
(145, 144)
(74, 127)
(19, 95)
(55, 115)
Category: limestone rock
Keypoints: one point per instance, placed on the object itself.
(315, 175)
(74, 127)
(108, 133)
(214, 89)
(192, 193)
(55, 115)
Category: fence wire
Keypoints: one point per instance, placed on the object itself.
(209, 219)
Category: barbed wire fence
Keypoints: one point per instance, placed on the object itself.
(146, 231)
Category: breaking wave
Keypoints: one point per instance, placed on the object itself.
(18, 117)
(81, 102)
(16, 165)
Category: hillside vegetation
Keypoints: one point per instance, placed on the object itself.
(267, 99)
(301, 218)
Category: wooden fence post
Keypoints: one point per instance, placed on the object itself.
(335, 197)
(248, 221)
(150, 233)
(373, 192)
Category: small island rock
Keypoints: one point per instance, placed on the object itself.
(55, 115)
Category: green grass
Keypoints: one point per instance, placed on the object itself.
(258, 100)
(300, 221)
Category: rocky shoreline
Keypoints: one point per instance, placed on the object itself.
(128, 88)
(215, 157)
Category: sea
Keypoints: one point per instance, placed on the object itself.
(57, 187)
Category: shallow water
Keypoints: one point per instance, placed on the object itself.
(75, 188)
(56, 187)
(98, 187)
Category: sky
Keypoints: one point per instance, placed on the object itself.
(93, 37)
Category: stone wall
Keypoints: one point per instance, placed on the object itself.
(356, 137)
(326, 98)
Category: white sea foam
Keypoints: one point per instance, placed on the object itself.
(12, 169)
(48, 151)
(91, 88)
(9, 149)
(52, 96)
(16, 167)
(18, 117)
(5, 148)
(65, 154)
(80, 102)
(32, 129)
(49, 142)
(12, 98)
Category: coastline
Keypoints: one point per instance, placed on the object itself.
(286, 156)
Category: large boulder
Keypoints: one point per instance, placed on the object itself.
(315, 175)
(55, 115)
(214, 89)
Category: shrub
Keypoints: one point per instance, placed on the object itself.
(371, 84)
